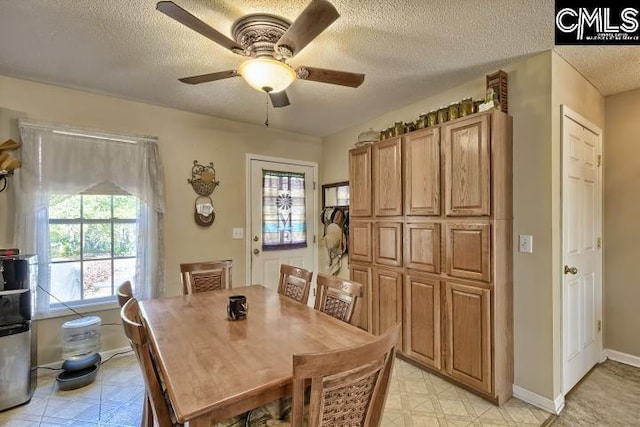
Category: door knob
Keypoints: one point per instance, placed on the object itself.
(256, 251)
(570, 270)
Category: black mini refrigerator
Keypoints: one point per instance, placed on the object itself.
(18, 341)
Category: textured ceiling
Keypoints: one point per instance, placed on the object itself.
(407, 49)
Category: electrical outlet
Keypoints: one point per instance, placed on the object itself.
(525, 243)
(238, 233)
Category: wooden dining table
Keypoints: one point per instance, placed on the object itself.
(215, 369)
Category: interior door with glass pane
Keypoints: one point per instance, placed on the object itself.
(282, 219)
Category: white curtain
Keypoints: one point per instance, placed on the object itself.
(61, 160)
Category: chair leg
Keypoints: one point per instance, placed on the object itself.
(147, 413)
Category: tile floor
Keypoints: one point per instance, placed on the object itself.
(416, 398)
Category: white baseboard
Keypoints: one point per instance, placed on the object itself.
(103, 354)
(553, 406)
(625, 358)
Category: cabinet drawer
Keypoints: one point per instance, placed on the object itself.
(360, 241)
(468, 251)
(422, 246)
(387, 242)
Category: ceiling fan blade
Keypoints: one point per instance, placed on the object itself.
(279, 99)
(174, 11)
(313, 20)
(204, 78)
(333, 77)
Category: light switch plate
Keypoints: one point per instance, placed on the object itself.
(525, 243)
(238, 233)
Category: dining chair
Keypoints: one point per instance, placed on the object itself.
(339, 298)
(348, 387)
(124, 292)
(157, 405)
(137, 334)
(205, 276)
(295, 283)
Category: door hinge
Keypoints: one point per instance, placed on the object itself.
(599, 243)
(599, 159)
(314, 183)
(314, 238)
(599, 325)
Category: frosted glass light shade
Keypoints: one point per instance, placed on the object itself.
(267, 75)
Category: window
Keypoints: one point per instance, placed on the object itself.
(90, 205)
(93, 245)
(283, 210)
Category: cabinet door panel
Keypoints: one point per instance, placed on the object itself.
(360, 202)
(362, 275)
(422, 246)
(387, 177)
(422, 319)
(387, 304)
(388, 243)
(468, 251)
(422, 172)
(468, 335)
(467, 163)
(360, 241)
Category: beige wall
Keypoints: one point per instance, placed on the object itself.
(621, 225)
(182, 137)
(8, 129)
(529, 104)
(569, 88)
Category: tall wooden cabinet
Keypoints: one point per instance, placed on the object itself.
(430, 236)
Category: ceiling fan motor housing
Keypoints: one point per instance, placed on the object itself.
(257, 34)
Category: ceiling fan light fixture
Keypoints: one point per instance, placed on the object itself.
(266, 74)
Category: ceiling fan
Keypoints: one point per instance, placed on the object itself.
(268, 41)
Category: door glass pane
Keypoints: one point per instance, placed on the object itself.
(283, 210)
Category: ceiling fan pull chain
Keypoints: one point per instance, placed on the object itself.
(266, 122)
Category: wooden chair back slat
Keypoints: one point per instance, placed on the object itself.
(339, 298)
(295, 283)
(135, 330)
(205, 276)
(348, 387)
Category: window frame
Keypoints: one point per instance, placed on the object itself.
(54, 303)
